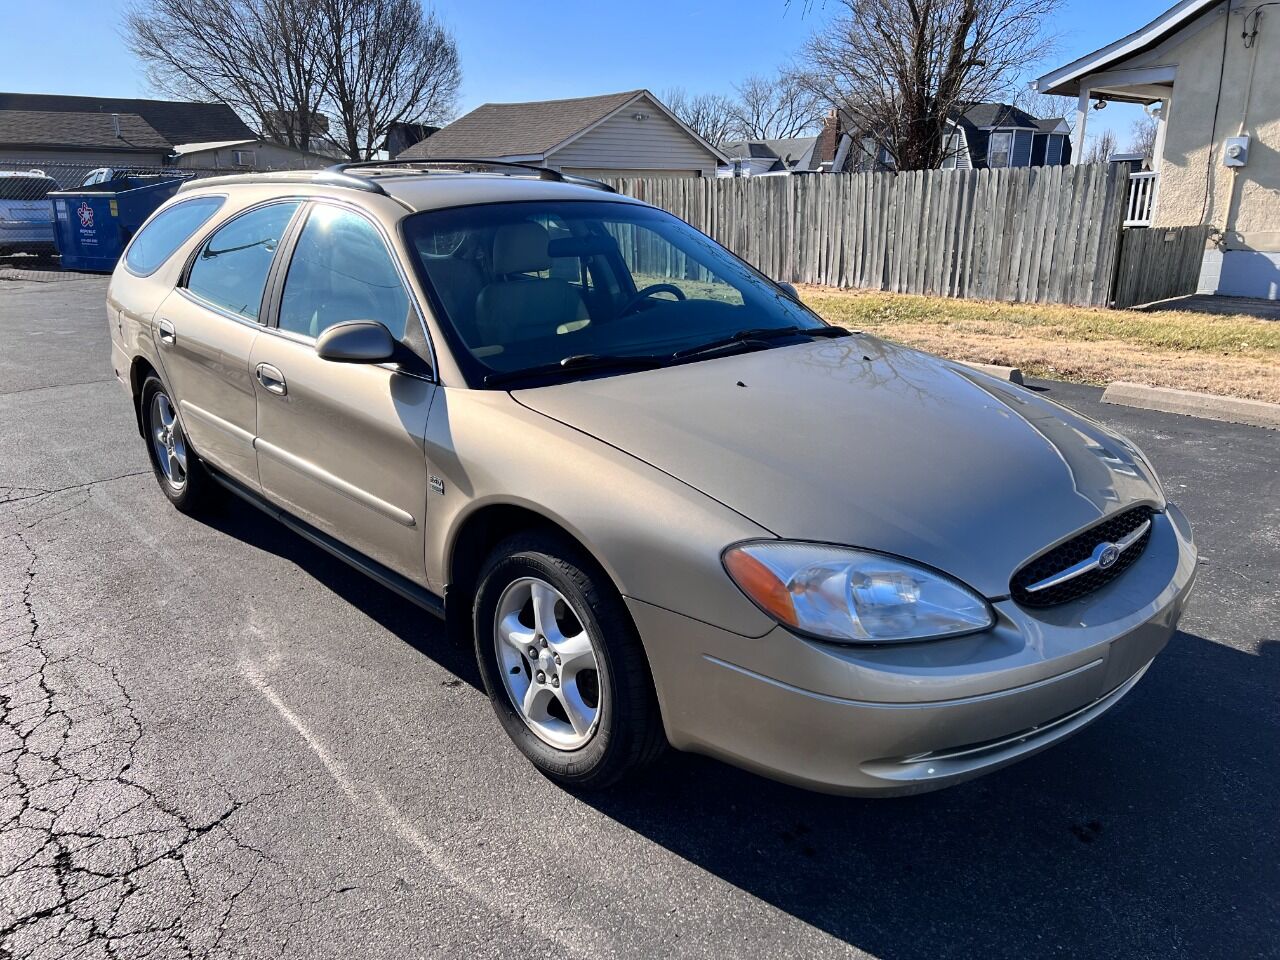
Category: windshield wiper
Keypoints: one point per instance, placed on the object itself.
(757, 335)
(578, 362)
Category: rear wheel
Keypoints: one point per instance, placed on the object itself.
(178, 470)
(563, 665)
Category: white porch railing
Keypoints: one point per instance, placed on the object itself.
(1142, 198)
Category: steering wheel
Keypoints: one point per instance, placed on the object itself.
(644, 294)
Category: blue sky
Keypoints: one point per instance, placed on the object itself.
(525, 51)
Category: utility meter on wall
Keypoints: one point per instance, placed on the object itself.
(1235, 151)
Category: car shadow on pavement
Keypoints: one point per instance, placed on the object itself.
(1150, 833)
(421, 630)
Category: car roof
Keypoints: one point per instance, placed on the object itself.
(428, 189)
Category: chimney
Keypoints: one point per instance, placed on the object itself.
(825, 149)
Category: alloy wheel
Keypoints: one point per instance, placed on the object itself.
(167, 441)
(548, 663)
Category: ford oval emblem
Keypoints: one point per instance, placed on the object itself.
(1108, 554)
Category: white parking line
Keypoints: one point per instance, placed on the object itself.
(366, 796)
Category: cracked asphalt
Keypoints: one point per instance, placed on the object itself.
(216, 741)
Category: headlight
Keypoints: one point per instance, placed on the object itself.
(838, 593)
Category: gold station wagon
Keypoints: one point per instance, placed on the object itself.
(667, 503)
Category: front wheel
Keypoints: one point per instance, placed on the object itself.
(563, 665)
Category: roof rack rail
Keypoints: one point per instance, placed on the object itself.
(544, 173)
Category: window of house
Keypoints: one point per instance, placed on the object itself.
(1053, 150)
(243, 158)
(951, 147)
(341, 270)
(999, 148)
(231, 269)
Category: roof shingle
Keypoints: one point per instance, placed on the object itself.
(38, 129)
(517, 129)
(176, 122)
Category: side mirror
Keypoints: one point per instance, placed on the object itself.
(789, 290)
(356, 341)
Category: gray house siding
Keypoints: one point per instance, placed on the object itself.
(1021, 155)
(655, 144)
(52, 159)
(1053, 150)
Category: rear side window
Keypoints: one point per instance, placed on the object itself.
(167, 232)
(231, 269)
(341, 270)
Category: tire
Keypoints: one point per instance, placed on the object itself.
(625, 733)
(179, 471)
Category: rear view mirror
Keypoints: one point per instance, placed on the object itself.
(789, 290)
(356, 341)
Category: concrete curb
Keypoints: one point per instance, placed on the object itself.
(1012, 374)
(1208, 406)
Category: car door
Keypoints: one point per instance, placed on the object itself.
(205, 330)
(341, 445)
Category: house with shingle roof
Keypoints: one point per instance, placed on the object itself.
(985, 136)
(629, 134)
(69, 135)
(748, 158)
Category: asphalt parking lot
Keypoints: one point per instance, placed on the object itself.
(215, 740)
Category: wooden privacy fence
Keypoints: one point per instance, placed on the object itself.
(1042, 234)
(1159, 263)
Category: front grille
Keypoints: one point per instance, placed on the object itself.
(1076, 550)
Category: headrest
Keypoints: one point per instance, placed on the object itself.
(520, 248)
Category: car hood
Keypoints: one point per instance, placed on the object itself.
(861, 442)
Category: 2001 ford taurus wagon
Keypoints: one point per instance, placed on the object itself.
(667, 503)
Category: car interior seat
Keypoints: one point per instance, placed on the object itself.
(516, 306)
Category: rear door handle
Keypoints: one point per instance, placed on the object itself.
(167, 332)
(272, 380)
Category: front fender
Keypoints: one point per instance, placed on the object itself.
(659, 539)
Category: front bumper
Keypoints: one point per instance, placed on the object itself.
(915, 717)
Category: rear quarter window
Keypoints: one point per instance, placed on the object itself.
(167, 232)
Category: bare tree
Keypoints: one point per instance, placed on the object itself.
(341, 70)
(390, 62)
(900, 68)
(1101, 147)
(1044, 106)
(262, 57)
(1143, 136)
(709, 115)
(770, 108)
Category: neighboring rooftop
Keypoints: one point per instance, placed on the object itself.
(23, 129)
(174, 121)
(794, 153)
(999, 115)
(518, 129)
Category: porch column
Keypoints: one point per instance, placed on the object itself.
(1082, 122)
(1162, 125)
(1157, 154)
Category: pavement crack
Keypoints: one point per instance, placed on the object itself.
(37, 493)
(92, 857)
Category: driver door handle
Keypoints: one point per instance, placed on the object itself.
(272, 380)
(168, 335)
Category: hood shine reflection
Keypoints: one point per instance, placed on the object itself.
(861, 442)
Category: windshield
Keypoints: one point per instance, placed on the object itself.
(526, 286)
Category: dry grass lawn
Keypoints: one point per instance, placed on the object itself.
(1233, 355)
